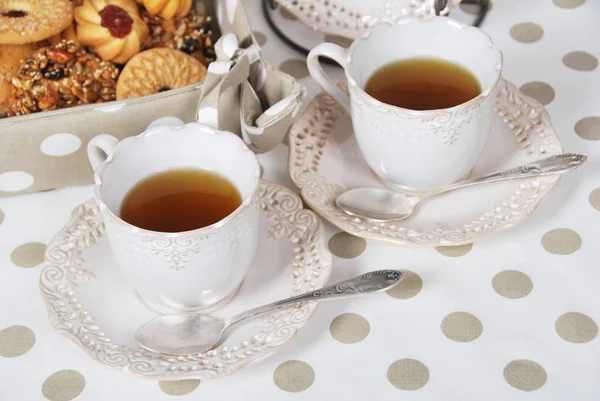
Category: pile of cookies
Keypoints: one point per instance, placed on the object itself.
(62, 53)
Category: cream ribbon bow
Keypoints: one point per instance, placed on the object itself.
(244, 95)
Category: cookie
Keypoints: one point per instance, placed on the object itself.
(60, 76)
(113, 29)
(11, 58)
(167, 9)
(156, 70)
(191, 34)
(28, 21)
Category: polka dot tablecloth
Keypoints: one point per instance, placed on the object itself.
(512, 317)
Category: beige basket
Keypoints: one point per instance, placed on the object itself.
(48, 150)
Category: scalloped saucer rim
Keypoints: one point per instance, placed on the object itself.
(349, 18)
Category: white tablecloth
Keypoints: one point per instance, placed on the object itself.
(512, 318)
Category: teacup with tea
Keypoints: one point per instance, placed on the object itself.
(421, 93)
(179, 205)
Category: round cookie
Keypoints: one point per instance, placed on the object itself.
(11, 57)
(156, 70)
(61, 76)
(27, 21)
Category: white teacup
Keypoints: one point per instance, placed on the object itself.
(408, 148)
(186, 271)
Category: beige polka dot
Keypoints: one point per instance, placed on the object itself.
(178, 387)
(512, 284)
(540, 91)
(346, 245)
(15, 341)
(568, 3)
(525, 375)
(576, 327)
(295, 67)
(349, 328)
(338, 40)
(462, 327)
(473, 9)
(561, 241)
(526, 32)
(595, 199)
(408, 374)
(1, 216)
(63, 385)
(260, 37)
(410, 286)
(588, 128)
(580, 61)
(286, 14)
(294, 376)
(454, 251)
(28, 255)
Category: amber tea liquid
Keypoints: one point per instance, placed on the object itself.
(423, 83)
(180, 200)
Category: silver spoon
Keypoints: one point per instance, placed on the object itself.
(384, 205)
(189, 333)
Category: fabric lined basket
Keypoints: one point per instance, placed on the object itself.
(241, 94)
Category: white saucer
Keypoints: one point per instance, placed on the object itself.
(325, 161)
(350, 18)
(90, 303)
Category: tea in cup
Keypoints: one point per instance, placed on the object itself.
(421, 94)
(179, 205)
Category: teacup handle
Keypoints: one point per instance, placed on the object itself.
(337, 54)
(99, 148)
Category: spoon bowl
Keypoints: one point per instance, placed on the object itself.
(180, 334)
(377, 204)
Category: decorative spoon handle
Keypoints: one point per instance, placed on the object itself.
(552, 165)
(367, 283)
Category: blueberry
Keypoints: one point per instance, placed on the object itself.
(54, 74)
(209, 53)
(190, 45)
(205, 28)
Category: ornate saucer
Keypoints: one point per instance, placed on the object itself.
(349, 18)
(90, 303)
(325, 160)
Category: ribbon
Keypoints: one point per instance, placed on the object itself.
(244, 95)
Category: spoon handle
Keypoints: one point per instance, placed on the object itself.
(552, 165)
(367, 283)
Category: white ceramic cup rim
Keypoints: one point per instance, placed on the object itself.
(246, 202)
(413, 19)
